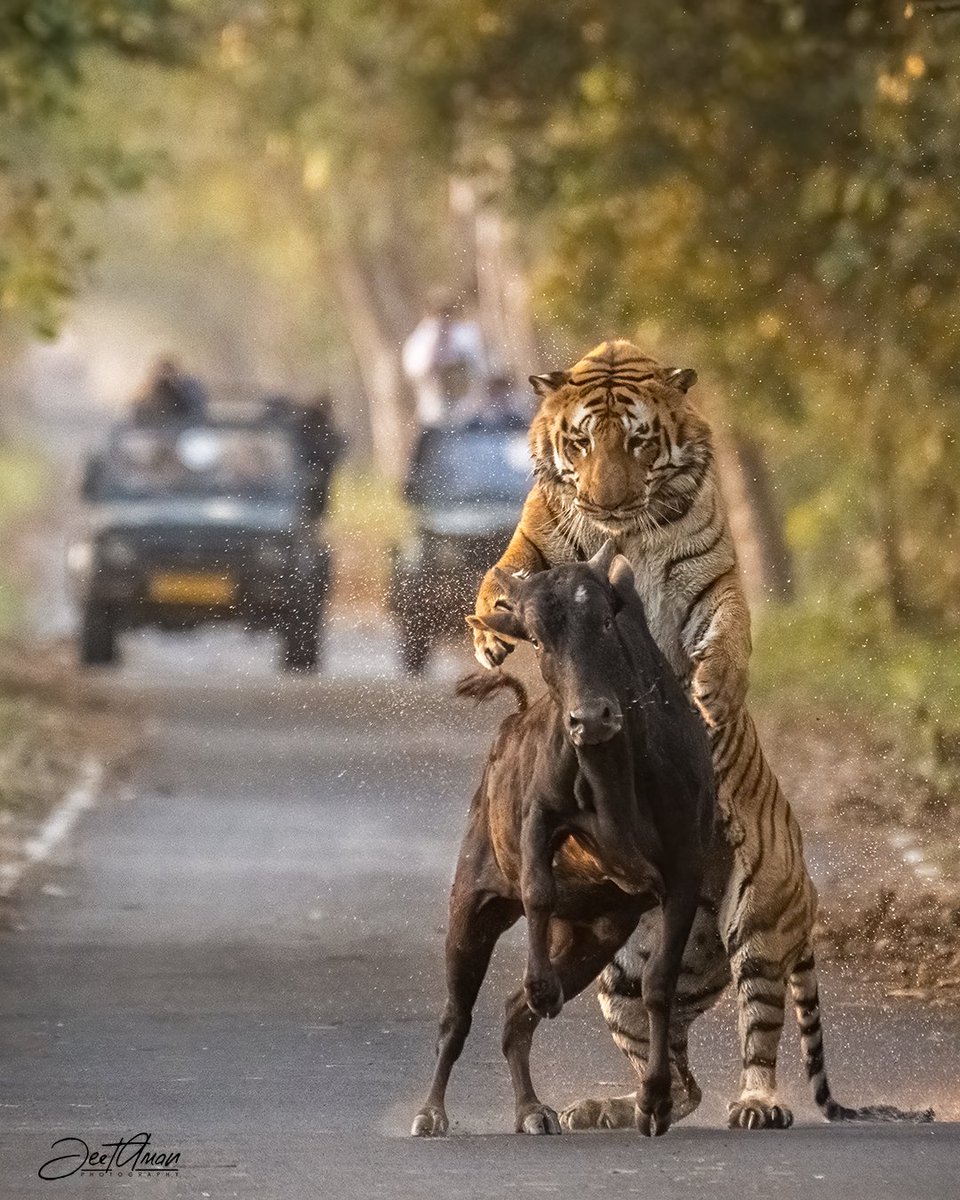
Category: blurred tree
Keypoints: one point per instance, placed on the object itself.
(766, 188)
(51, 165)
(769, 183)
(317, 81)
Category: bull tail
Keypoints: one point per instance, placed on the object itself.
(479, 686)
(806, 999)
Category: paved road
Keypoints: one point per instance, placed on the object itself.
(241, 955)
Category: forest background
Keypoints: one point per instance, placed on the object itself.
(766, 190)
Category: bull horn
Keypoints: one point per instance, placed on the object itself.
(509, 584)
(603, 558)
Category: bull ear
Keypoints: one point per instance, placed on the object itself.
(543, 385)
(621, 578)
(510, 585)
(682, 378)
(502, 623)
(600, 563)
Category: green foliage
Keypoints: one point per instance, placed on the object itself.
(846, 660)
(22, 477)
(52, 164)
(765, 187)
(367, 519)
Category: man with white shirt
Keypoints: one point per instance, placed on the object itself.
(446, 362)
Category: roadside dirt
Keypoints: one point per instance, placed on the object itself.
(52, 721)
(891, 901)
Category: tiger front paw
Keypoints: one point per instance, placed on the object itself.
(488, 650)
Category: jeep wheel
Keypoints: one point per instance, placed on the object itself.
(300, 642)
(98, 637)
(414, 647)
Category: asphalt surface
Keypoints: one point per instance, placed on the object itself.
(239, 952)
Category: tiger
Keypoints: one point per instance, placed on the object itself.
(619, 451)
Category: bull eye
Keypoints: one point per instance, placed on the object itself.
(607, 623)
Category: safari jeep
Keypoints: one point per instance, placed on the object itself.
(198, 523)
(465, 488)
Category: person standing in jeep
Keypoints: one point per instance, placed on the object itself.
(169, 394)
(319, 443)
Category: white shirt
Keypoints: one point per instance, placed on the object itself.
(432, 346)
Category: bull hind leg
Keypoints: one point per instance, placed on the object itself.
(578, 954)
(477, 920)
(704, 975)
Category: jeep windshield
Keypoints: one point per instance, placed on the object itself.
(200, 462)
(453, 468)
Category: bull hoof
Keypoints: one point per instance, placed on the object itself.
(758, 1114)
(655, 1120)
(430, 1122)
(539, 1121)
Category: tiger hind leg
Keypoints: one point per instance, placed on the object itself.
(619, 1112)
(761, 991)
(704, 975)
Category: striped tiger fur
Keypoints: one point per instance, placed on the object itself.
(618, 450)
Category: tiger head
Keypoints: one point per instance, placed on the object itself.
(616, 441)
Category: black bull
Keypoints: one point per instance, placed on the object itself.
(596, 804)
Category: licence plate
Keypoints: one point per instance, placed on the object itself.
(191, 587)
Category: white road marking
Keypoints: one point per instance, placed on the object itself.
(56, 827)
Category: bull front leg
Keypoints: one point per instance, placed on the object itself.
(659, 986)
(541, 984)
(477, 919)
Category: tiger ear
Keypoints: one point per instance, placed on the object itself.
(682, 378)
(543, 385)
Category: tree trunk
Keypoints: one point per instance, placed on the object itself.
(887, 518)
(775, 562)
(887, 368)
(376, 348)
(765, 559)
(378, 362)
(503, 300)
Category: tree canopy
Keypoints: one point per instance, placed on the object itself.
(766, 188)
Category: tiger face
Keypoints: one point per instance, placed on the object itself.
(616, 441)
